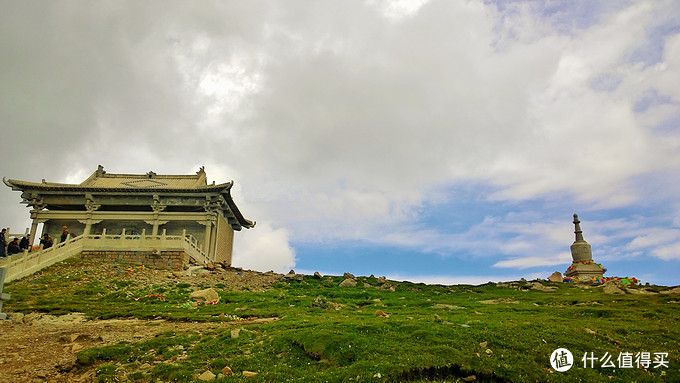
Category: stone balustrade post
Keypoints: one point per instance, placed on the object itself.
(3, 296)
(40, 253)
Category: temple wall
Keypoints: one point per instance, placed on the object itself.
(116, 227)
(225, 241)
(53, 228)
(174, 260)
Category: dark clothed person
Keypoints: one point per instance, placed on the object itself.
(25, 243)
(46, 241)
(64, 234)
(13, 247)
(3, 244)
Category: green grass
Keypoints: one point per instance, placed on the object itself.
(328, 333)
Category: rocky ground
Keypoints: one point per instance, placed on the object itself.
(42, 348)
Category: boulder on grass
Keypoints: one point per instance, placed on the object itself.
(348, 282)
(206, 295)
(556, 277)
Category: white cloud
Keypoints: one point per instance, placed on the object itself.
(339, 120)
(671, 251)
(263, 248)
(528, 262)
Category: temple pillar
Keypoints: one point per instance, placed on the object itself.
(157, 208)
(90, 207)
(88, 222)
(34, 229)
(208, 234)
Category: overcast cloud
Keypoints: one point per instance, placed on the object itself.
(351, 121)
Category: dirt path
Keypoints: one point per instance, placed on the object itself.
(41, 348)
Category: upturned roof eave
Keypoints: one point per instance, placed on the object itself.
(248, 224)
(19, 185)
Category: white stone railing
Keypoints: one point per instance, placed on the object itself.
(3, 296)
(20, 265)
(144, 242)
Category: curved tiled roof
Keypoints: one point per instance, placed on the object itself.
(100, 181)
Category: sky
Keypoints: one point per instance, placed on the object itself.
(425, 140)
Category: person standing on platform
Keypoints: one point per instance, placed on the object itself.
(3, 244)
(46, 241)
(64, 234)
(25, 243)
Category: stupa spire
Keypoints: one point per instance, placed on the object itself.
(577, 229)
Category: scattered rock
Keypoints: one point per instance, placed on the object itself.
(348, 275)
(381, 313)
(610, 287)
(293, 276)
(488, 351)
(227, 371)
(436, 317)
(76, 347)
(470, 378)
(206, 295)
(589, 331)
(497, 301)
(483, 344)
(249, 374)
(640, 291)
(317, 275)
(382, 279)
(445, 306)
(206, 376)
(388, 286)
(348, 282)
(556, 277)
(675, 290)
(235, 333)
(72, 338)
(539, 286)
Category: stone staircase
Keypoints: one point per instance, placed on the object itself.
(20, 265)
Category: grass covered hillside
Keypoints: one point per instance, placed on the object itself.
(271, 328)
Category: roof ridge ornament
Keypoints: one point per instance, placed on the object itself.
(100, 171)
(151, 174)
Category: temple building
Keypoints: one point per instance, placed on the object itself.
(583, 267)
(138, 204)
